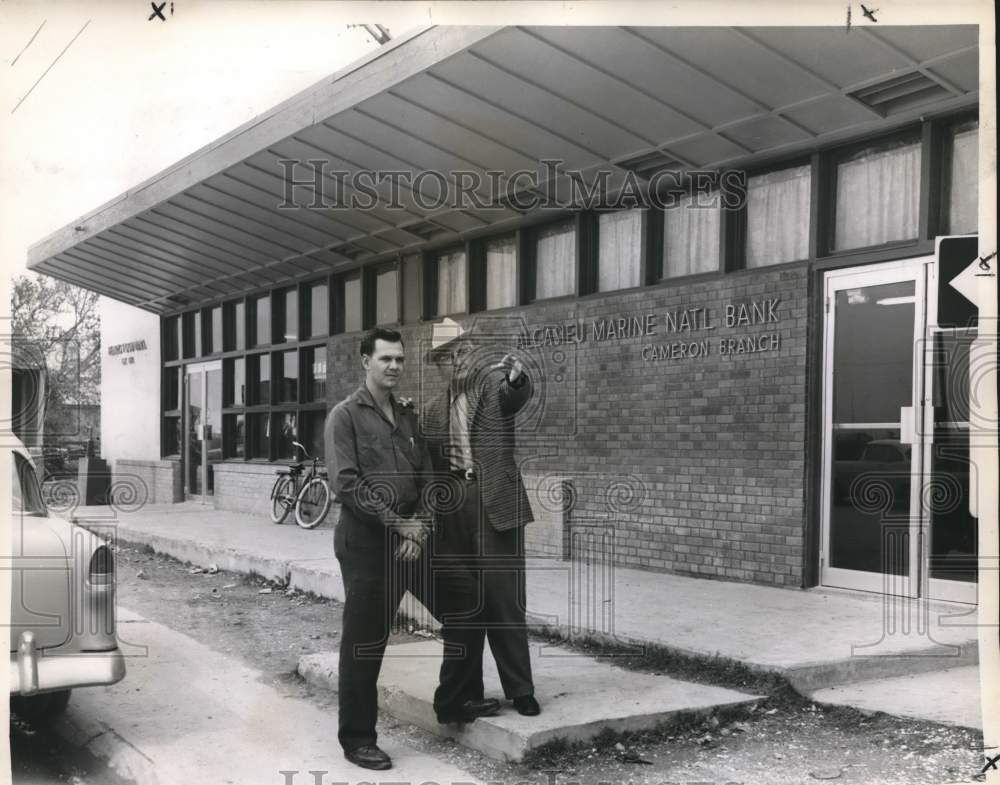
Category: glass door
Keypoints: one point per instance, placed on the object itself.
(951, 523)
(202, 426)
(872, 388)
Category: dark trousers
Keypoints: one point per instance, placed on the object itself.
(374, 584)
(493, 563)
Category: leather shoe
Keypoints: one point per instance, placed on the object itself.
(527, 705)
(469, 711)
(369, 757)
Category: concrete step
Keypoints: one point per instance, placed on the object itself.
(580, 698)
(951, 696)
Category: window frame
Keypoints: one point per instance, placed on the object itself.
(945, 148)
(529, 247)
(738, 247)
(432, 265)
(931, 133)
(838, 155)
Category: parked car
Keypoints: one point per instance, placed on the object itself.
(62, 611)
(884, 461)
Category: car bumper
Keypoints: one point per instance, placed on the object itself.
(33, 670)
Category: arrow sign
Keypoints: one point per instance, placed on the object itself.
(965, 283)
(957, 264)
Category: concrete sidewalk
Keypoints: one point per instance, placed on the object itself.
(187, 714)
(581, 698)
(815, 639)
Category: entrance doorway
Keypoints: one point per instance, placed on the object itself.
(896, 514)
(202, 426)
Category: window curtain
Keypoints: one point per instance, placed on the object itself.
(963, 191)
(878, 195)
(555, 261)
(451, 283)
(386, 297)
(619, 250)
(352, 304)
(691, 236)
(778, 217)
(501, 273)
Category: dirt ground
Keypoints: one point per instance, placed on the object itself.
(785, 740)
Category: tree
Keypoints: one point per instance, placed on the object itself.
(57, 324)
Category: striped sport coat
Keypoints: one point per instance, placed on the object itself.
(492, 405)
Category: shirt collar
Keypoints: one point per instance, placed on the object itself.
(364, 397)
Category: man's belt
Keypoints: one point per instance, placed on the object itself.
(469, 475)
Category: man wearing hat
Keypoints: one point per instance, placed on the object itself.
(378, 468)
(469, 430)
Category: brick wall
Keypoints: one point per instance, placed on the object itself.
(136, 482)
(696, 463)
(245, 487)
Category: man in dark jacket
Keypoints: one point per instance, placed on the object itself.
(470, 436)
(377, 464)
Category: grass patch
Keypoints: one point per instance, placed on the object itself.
(663, 660)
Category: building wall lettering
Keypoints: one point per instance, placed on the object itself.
(732, 315)
(127, 348)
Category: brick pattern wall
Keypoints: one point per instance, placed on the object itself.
(244, 487)
(697, 463)
(137, 482)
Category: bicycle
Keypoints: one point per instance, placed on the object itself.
(307, 492)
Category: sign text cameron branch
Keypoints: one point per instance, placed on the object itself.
(693, 328)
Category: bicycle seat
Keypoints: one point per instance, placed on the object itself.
(296, 467)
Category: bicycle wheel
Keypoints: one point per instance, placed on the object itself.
(312, 503)
(282, 498)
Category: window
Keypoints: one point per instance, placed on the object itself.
(878, 195)
(311, 425)
(387, 296)
(259, 435)
(318, 299)
(171, 388)
(234, 321)
(962, 178)
(260, 320)
(412, 297)
(352, 303)
(191, 333)
(213, 343)
(26, 493)
(260, 379)
(234, 382)
(234, 435)
(691, 238)
(778, 216)
(288, 316)
(172, 437)
(315, 368)
(286, 433)
(619, 250)
(171, 338)
(288, 385)
(451, 286)
(501, 273)
(555, 261)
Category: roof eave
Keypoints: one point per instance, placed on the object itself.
(378, 71)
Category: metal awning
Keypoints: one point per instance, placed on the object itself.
(488, 98)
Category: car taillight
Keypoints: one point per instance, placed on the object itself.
(102, 567)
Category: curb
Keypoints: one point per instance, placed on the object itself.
(311, 575)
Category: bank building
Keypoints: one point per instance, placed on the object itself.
(743, 369)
